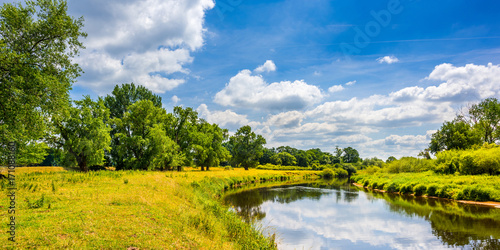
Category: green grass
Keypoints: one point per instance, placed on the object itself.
(458, 187)
(142, 209)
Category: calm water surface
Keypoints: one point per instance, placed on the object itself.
(338, 216)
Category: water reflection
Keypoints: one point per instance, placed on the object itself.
(338, 216)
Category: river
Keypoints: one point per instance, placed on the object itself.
(337, 215)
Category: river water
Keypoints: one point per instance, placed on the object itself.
(337, 215)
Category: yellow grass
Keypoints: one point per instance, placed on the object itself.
(125, 209)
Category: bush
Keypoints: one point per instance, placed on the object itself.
(410, 165)
(419, 189)
(392, 187)
(366, 183)
(340, 173)
(327, 173)
(442, 192)
(406, 189)
(432, 190)
(372, 170)
(474, 193)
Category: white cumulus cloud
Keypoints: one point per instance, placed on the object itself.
(335, 88)
(388, 59)
(222, 118)
(139, 41)
(268, 66)
(252, 91)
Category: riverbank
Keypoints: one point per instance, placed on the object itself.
(133, 209)
(484, 190)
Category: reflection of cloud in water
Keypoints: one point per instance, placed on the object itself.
(331, 224)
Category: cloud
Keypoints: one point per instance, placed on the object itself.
(335, 88)
(388, 59)
(222, 118)
(145, 42)
(350, 83)
(286, 120)
(367, 124)
(251, 91)
(175, 99)
(464, 84)
(268, 66)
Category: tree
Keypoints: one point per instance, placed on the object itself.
(208, 150)
(118, 102)
(127, 94)
(303, 158)
(246, 148)
(268, 153)
(390, 159)
(82, 132)
(285, 159)
(143, 141)
(351, 155)
(181, 127)
(454, 135)
(485, 117)
(37, 44)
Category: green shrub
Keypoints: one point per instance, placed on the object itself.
(474, 193)
(371, 170)
(366, 183)
(443, 192)
(432, 190)
(327, 173)
(406, 189)
(419, 189)
(340, 173)
(392, 187)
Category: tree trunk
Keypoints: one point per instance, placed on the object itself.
(202, 168)
(82, 163)
(179, 168)
(208, 168)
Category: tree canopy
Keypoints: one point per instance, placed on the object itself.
(37, 43)
(82, 131)
(246, 148)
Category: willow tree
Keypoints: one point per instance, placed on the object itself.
(37, 43)
(83, 133)
(246, 148)
(143, 140)
(118, 102)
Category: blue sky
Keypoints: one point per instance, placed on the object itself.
(380, 76)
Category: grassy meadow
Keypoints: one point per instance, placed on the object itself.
(57, 208)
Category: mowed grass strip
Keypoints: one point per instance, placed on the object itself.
(56, 208)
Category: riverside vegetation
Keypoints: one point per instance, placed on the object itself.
(142, 209)
(470, 174)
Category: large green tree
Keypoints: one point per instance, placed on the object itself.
(118, 102)
(208, 149)
(456, 134)
(246, 148)
(83, 133)
(485, 117)
(182, 129)
(143, 141)
(37, 43)
(350, 155)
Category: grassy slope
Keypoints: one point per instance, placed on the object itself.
(122, 209)
(459, 187)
